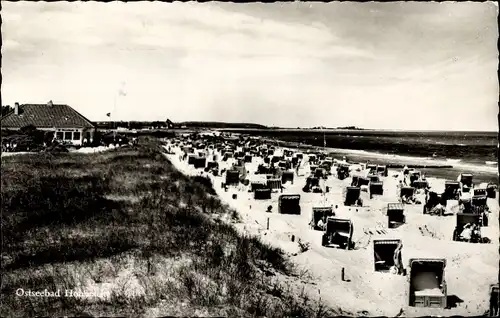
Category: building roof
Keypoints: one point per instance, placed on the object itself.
(46, 116)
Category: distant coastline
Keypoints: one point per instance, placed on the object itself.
(337, 128)
(253, 126)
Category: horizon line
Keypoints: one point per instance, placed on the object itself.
(305, 128)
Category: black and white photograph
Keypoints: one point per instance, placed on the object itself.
(225, 159)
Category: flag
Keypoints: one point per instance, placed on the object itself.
(108, 114)
(121, 91)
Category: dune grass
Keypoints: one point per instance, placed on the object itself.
(137, 237)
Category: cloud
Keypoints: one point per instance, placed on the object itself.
(329, 64)
(201, 27)
(212, 30)
(9, 44)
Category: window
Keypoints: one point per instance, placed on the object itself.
(67, 135)
(76, 135)
(59, 135)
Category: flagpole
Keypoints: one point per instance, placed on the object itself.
(114, 124)
(121, 92)
(324, 138)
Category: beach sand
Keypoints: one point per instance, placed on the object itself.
(80, 150)
(470, 268)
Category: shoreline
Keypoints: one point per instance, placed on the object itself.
(472, 148)
(484, 172)
(433, 163)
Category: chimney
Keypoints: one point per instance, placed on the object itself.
(49, 103)
(16, 108)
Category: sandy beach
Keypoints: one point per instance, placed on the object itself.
(470, 268)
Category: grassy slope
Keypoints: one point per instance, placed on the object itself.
(126, 223)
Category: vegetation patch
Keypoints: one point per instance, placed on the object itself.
(130, 235)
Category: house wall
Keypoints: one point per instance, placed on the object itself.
(69, 135)
(74, 136)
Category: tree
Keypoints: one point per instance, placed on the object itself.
(48, 136)
(37, 136)
(28, 129)
(6, 109)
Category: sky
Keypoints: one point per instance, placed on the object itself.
(395, 65)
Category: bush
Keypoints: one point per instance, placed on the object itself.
(111, 138)
(56, 147)
(206, 183)
(48, 137)
(28, 138)
(97, 141)
(35, 134)
(22, 142)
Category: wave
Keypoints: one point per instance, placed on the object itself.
(456, 163)
(478, 168)
(491, 163)
(391, 156)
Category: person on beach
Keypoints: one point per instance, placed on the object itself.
(475, 235)
(494, 305)
(398, 260)
(404, 199)
(467, 232)
(322, 223)
(465, 188)
(461, 206)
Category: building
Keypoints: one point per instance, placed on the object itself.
(67, 124)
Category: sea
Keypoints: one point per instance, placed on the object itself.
(466, 151)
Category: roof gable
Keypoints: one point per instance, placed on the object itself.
(46, 116)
